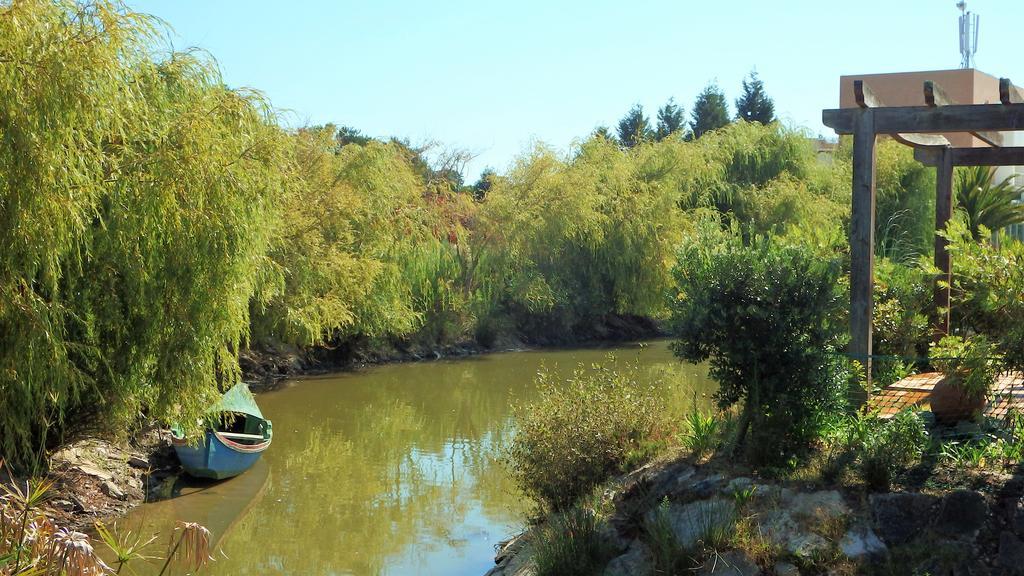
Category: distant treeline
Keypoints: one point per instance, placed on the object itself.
(154, 222)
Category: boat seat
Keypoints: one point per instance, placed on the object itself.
(238, 436)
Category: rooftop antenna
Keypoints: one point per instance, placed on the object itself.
(968, 35)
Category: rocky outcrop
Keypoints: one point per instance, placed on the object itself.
(800, 529)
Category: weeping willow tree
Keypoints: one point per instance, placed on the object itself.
(346, 218)
(135, 198)
(584, 237)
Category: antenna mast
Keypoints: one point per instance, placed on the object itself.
(968, 35)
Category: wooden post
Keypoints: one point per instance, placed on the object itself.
(862, 241)
(943, 211)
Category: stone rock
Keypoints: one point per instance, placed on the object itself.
(112, 490)
(657, 482)
(672, 480)
(899, 517)
(786, 569)
(95, 472)
(637, 561)
(706, 487)
(737, 485)
(962, 515)
(66, 505)
(1011, 553)
(731, 563)
(789, 522)
(697, 521)
(861, 541)
(816, 504)
(138, 462)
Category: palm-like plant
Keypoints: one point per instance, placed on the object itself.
(987, 204)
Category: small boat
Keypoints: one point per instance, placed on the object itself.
(235, 435)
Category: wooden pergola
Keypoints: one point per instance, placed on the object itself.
(919, 127)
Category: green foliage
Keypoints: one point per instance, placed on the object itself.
(569, 544)
(670, 557)
(1002, 446)
(700, 431)
(986, 204)
(670, 120)
(881, 448)
(905, 205)
(579, 431)
(971, 364)
(903, 306)
(135, 211)
(573, 241)
(634, 128)
(763, 317)
(892, 446)
(988, 290)
(710, 111)
(754, 105)
(336, 245)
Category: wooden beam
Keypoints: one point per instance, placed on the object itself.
(958, 118)
(1012, 156)
(866, 98)
(1008, 93)
(935, 96)
(943, 212)
(862, 241)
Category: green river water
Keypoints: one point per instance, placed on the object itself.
(387, 470)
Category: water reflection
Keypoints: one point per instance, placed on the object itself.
(389, 470)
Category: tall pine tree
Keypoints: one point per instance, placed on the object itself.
(635, 128)
(754, 105)
(710, 111)
(670, 120)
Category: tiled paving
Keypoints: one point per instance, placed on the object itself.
(916, 390)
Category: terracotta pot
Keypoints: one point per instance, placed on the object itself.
(950, 405)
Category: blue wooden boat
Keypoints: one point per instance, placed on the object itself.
(234, 437)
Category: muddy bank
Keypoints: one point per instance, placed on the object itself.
(265, 364)
(99, 480)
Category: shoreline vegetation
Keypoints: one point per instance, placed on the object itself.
(166, 236)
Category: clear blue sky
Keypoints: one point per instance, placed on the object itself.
(492, 77)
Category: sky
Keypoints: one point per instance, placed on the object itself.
(495, 78)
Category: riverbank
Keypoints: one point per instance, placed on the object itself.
(266, 364)
(101, 478)
(717, 518)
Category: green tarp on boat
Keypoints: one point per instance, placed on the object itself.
(238, 399)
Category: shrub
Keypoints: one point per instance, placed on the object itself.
(763, 316)
(579, 431)
(892, 446)
(880, 448)
(988, 290)
(971, 363)
(569, 544)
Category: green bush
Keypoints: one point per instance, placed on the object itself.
(988, 290)
(892, 446)
(880, 448)
(763, 316)
(579, 431)
(972, 363)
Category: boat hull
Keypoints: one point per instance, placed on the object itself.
(217, 457)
